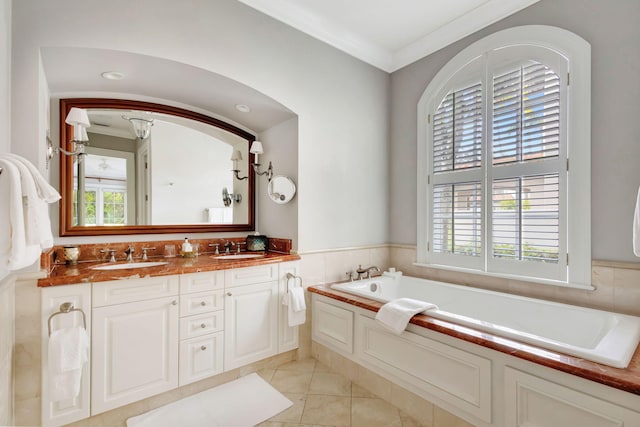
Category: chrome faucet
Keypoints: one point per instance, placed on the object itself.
(129, 252)
(372, 268)
(366, 272)
(228, 246)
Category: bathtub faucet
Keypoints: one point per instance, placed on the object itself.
(366, 272)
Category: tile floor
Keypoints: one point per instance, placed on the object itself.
(322, 398)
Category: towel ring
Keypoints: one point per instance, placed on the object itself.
(295, 279)
(67, 307)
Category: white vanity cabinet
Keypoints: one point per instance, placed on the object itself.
(251, 315)
(66, 411)
(151, 335)
(201, 326)
(134, 342)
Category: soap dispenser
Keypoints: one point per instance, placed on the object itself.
(187, 248)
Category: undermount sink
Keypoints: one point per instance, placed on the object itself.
(129, 265)
(238, 256)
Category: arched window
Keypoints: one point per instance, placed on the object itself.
(504, 159)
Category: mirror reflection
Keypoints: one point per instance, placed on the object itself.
(166, 174)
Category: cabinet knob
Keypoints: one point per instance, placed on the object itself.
(229, 294)
(203, 303)
(174, 302)
(203, 348)
(203, 326)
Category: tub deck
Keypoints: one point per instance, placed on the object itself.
(627, 379)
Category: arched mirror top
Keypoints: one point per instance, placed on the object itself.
(166, 180)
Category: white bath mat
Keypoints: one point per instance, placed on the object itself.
(244, 402)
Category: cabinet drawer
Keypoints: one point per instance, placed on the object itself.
(201, 302)
(201, 324)
(131, 290)
(251, 275)
(200, 357)
(199, 282)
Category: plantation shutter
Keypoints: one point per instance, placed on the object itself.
(526, 130)
(526, 114)
(457, 147)
(457, 130)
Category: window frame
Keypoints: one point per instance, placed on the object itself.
(576, 234)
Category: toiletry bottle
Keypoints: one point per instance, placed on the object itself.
(186, 246)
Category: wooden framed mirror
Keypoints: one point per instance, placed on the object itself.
(168, 182)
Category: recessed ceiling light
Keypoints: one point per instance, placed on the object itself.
(243, 108)
(112, 75)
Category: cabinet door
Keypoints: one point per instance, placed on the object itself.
(137, 352)
(251, 323)
(66, 411)
(287, 335)
(200, 357)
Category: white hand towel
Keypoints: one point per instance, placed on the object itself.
(67, 354)
(34, 209)
(294, 317)
(45, 191)
(297, 299)
(636, 227)
(15, 252)
(396, 314)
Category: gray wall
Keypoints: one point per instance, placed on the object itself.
(275, 219)
(613, 29)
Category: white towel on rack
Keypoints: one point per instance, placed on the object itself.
(296, 306)
(45, 191)
(35, 209)
(25, 216)
(636, 227)
(396, 314)
(67, 353)
(15, 252)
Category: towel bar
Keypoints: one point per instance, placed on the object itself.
(67, 307)
(295, 278)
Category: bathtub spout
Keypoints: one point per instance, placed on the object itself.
(366, 272)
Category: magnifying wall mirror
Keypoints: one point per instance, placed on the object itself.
(166, 179)
(281, 189)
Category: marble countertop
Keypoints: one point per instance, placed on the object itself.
(83, 272)
(627, 379)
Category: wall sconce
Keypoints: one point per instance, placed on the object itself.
(79, 119)
(227, 197)
(141, 127)
(256, 149)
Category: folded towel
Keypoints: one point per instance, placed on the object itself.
(636, 227)
(68, 349)
(292, 300)
(68, 352)
(297, 299)
(396, 314)
(15, 251)
(34, 209)
(45, 191)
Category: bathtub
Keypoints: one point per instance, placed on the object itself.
(596, 335)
